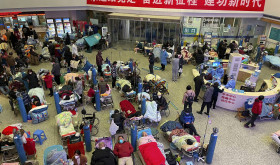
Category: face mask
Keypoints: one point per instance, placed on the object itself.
(159, 96)
(76, 157)
(30, 73)
(121, 141)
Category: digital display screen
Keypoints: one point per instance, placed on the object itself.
(49, 20)
(58, 20)
(66, 20)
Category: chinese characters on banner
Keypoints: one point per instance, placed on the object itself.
(234, 5)
(228, 98)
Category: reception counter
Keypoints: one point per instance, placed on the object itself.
(232, 100)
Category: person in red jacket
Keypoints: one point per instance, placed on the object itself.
(49, 83)
(256, 111)
(123, 151)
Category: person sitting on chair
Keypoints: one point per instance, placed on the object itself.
(123, 151)
(118, 119)
(103, 156)
(187, 120)
(161, 102)
(102, 86)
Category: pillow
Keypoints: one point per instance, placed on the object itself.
(148, 131)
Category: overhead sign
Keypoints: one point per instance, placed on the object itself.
(189, 30)
(233, 5)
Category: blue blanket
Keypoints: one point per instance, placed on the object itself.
(274, 60)
(170, 125)
(54, 157)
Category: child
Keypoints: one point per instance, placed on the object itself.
(49, 81)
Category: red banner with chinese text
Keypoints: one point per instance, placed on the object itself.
(229, 5)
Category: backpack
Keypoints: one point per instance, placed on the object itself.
(190, 98)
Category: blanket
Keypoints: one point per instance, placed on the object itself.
(274, 60)
(146, 139)
(170, 125)
(70, 76)
(151, 77)
(74, 64)
(177, 132)
(67, 131)
(39, 92)
(143, 95)
(152, 154)
(54, 157)
(64, 119)
(122, 82)
(151, 111)
(181, 142)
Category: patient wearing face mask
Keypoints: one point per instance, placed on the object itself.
(79, 159)
(123, 151)
(161, 102)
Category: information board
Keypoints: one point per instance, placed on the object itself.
(274, 34)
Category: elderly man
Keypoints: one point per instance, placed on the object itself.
(103, 155)
(123, 151)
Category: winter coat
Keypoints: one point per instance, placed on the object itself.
(26, 98)
(114, 71)
(175, 64)
(68, 55)
(103, 157)
(163, 56)
(79, 88)
(11, 60)
(199, 81)
(83, 160)
(187, 94)
(186, 117)
(51, 49)
(199, 58)
(56, 69)
(118, 118)
(170, 125)
(48, 80)
(161, 102)
(99, 60)
(208, 95)
(124, 149)
(216, 92)
(33, 81)
(257, 107)
(151, 59)
(3, 81)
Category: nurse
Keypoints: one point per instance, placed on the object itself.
(217, 80)
(231, 83)
(219, 72)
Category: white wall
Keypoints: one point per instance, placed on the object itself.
(272, 7)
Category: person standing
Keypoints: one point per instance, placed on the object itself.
(49, 83)
(198, 82)
(56, 72)
(123, 151)
(256, 111)
(32, 79)
(67, 55)
(163, 59)
(215, 95)
(188, 98)
(99, 62)
(181, 63)
(13, 40)
(67, 39)
(207, 99)
(79, 88)
(175, 68)
(151, 62)
(114, 74)
(11, 63)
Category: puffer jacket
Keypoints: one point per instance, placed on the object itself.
(257, 107)
(208, 95)
(186, 117)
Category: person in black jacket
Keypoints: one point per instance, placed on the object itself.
(103, 156)
(56, 71)
(118, 119)
(32, 79)
(161, 102)
(51, 48)
(198, 82)
(215, 95)
(151, 61)
(67, 39)
(205, 46)
(199, 57)
(67, 55)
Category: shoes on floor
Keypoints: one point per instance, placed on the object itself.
(246, 126)
(206, 113)
(253, 125)
(199, 112)
(213, 108)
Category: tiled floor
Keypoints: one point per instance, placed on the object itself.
(235, 145)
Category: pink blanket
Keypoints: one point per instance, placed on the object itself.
(146, 139)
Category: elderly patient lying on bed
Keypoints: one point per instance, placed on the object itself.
(150, 151)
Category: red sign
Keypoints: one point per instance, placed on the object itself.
(234, 5)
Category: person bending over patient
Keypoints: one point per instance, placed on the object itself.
(123, 151)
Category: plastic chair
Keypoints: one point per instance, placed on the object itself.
(39, 136)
